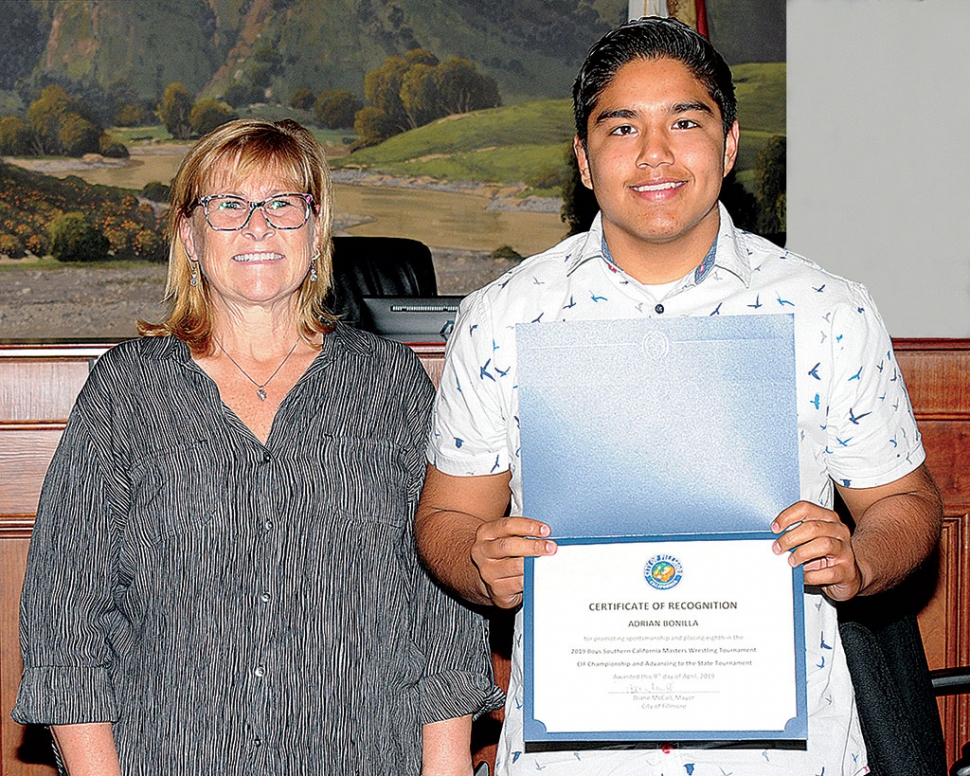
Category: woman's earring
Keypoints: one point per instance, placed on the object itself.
(194, 280)
(313, 267)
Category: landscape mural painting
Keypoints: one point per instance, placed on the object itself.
(447, 122)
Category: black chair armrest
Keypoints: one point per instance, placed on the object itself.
(950, 681)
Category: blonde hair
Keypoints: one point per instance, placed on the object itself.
(245, 145)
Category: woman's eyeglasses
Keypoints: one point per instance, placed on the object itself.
(229, 213)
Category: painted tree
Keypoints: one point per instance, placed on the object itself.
(44, 118)
(382, 88)
(207, 114)
(461, 88)
(174, 110)
(419, 95)
(336, 108)
(771, 179)
(74, 238)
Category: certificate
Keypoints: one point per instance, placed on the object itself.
(664, 640)
(659, 451)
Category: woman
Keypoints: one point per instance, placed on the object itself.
(222, 576)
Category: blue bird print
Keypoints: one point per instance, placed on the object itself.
(853, 418)
(576, 755)
(757, 302)
(540, 767)
(502, 372)
(824, 337)
(882, 398)
(846, 483)
(458, 384)
(879, 365)
(471, 329)
(893, 442)
(765, 755)
(860, 310)
(496, 466)
(459, 441)
(689, 768)
(717, 310)
(572, 303)
(839, 337)
(895, 375)
(816, 401)
(483, 372)
(784, 302)
(495, 346)
(538, 282)
(822, 640)
(596, 298)
(814, 371)
(820, 289)
(856, 376)
(822, 664)
(844, 442)
(539, 318)
(516, 756)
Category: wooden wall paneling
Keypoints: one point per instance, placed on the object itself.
(937, 375)
(25, 453)
(24, 751)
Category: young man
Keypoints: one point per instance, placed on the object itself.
(656, 134)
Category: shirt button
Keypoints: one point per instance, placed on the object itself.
(257, 742)
(659, 309)
(265, 597)
(267, 457)
(268, 525)
(260, 671)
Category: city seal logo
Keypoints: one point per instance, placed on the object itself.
(663, 572)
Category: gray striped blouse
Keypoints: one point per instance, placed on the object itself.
(239, 608)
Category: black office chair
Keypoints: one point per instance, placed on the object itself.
(954, 681)
(378, 266)
(894, 693)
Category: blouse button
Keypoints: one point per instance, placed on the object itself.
(260, 671)
(659, 309)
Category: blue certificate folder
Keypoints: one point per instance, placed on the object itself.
(656, 426)
(660, 429)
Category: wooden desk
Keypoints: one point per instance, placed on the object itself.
(38, 384)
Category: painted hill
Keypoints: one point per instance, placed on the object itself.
(529, 142)
(531, 47)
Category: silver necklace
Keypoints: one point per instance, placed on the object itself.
(260, 389)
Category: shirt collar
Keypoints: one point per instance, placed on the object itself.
(727, 252)
(342, 336)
